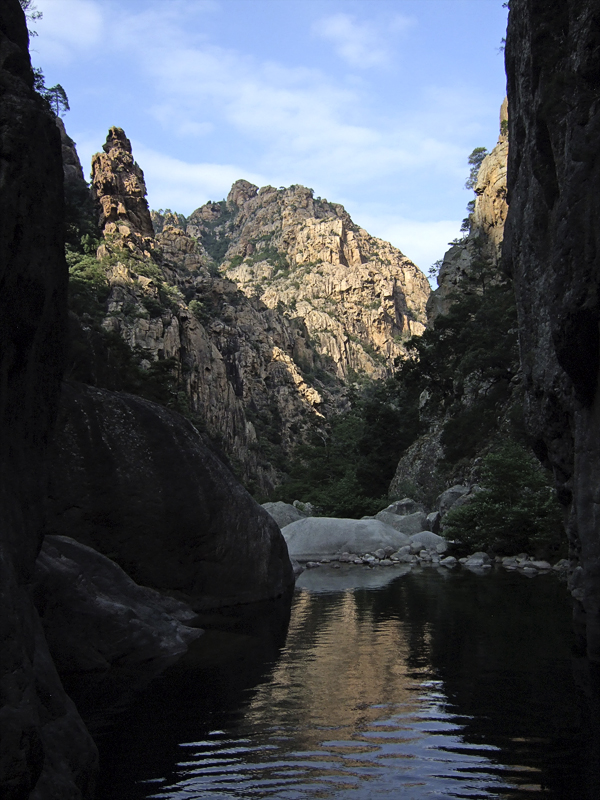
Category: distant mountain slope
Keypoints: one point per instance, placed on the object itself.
(253, 315)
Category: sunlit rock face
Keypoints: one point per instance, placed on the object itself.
(359, 296)
(265, 305)
(45, 751)
(551, 248)
(462, 263)
(118, 187)
(465, 270)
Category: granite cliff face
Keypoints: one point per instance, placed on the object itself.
(551, 248)
(45, 750)
(468, 271)
(359, 297)
(461, 265)
(261, 305)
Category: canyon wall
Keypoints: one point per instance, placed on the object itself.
(462, 264)
(551, 248)
(45, 750)
(477, 397)
(264, 307)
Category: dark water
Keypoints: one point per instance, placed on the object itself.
(427, 684)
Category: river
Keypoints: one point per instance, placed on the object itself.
(380, 683)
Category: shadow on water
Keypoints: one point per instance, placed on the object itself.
(139, 725)
(383, 683)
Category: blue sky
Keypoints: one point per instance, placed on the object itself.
(375, 104)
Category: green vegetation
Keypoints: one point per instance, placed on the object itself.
(475, 162)
(516, 511)
(345, 471)
(57, 97)
(466, 362)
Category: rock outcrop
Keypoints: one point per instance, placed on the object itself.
(359, 297)
(119, 189)
(136, 482)
(486, 384)
(462, 265)
(551, 248)
(45, 750)
(262, 306)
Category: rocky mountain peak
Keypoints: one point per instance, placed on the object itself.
(359, 297)
(119, 189)
(240, 192)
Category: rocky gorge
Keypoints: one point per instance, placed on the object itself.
(222, 339)
(263, 307)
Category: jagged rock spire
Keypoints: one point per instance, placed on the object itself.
(119, 189)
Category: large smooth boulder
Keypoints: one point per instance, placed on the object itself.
(283, 513)
(94, 615)
(427, 540)
(408, 524)
(137, 482)
(317, 537)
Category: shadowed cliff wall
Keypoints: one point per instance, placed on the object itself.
(45, 751)
(552, 249)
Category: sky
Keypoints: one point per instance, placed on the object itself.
(375, 104)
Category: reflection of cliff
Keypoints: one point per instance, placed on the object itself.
(337, 666)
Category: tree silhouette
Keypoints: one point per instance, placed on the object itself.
(57, 97)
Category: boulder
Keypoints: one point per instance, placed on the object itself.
(409, 523)
(479, 559)
(94, 615)
(427, 540)
(137, 482)
(448, 498)
(449, 561)
(283, 513)
(404, 507)
(314, 537)
(433, 521)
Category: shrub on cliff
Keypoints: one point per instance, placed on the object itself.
(516, 511)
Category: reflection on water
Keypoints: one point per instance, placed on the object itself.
(415, 685)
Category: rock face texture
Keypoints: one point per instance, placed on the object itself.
(468, 270)
(45, 751)
(359, 297)
(551, 248)
(136, 482)
(461, 266)
(263, 305)
(95, 616)
(119, 188)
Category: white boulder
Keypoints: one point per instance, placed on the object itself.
(315, 537)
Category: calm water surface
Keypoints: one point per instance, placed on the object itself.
(381, 684)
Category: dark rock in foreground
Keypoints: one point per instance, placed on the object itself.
(45, 750)
(95, 616)
(136, 482)
(551, 246)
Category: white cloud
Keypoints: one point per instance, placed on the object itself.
(359, 43)
(182, 186)
(424, 242)
(67, 28)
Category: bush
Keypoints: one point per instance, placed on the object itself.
(516, 511)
